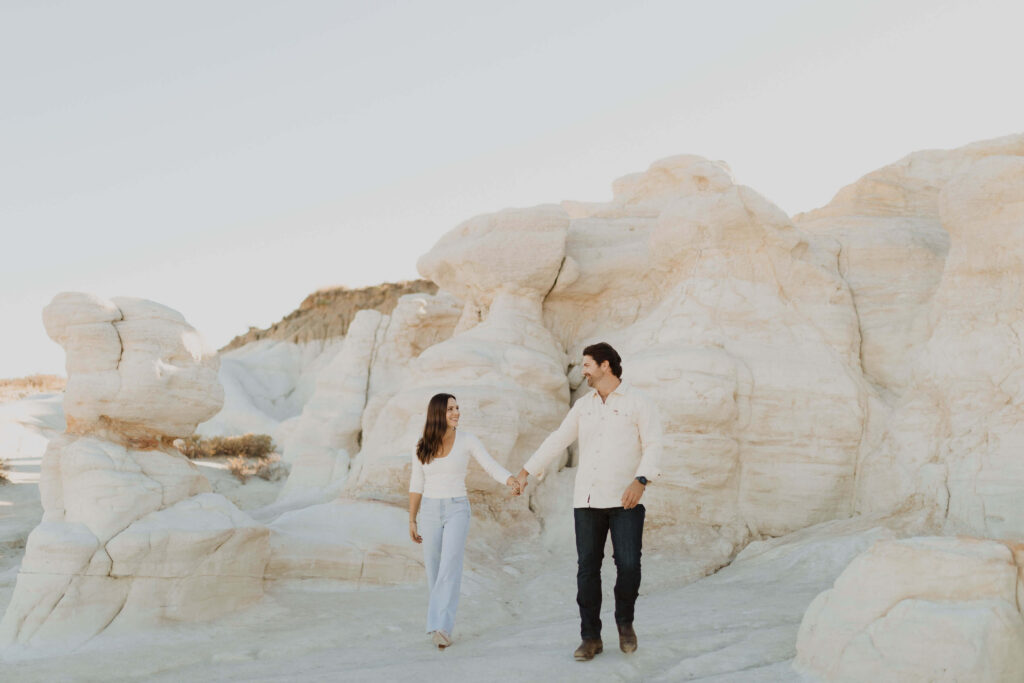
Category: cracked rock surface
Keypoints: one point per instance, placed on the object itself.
(920, 609)
(130, 534)
(954, 438)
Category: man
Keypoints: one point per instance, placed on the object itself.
(620, 444)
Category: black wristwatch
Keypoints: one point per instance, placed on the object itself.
(642, 480)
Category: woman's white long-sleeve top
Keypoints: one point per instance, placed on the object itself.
(446, 477)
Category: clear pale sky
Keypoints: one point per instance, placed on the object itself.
(228, 158)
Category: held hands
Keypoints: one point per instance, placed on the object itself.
(631, 496)
(413, 533)
(513, 484)
(517, 483)
(521, 478)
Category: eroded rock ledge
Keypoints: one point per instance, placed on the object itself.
(327, 313)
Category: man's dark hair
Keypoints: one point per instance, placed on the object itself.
(603, 351)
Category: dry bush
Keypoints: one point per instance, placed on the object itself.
(20, 387)
(3, 472)
(269, 469)
(191, 447)
(246, 446)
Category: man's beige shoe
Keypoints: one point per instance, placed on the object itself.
(442, 640)
(627, 638)
(587, 649)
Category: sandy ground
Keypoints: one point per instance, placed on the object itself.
(517, 619)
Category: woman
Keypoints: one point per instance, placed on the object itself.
(439, 481)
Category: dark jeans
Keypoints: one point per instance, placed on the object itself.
(592, 527)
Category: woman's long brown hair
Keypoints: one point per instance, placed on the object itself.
(434, 428)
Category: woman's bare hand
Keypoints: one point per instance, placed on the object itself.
(413, 534)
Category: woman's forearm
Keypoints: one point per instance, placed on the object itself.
(414, 505)
(414, 508)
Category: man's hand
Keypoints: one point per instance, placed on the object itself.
(523, 475)
(631, 496)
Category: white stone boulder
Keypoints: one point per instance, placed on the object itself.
(954, 438)
(130, 533)
(607, 281)
(360, 542)
(893, 248)
(515, 251)
(919, 609)
(327, 433)
(136, 369)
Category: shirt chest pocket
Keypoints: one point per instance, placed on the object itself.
(622, 420)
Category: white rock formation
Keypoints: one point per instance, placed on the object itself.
(741, 329)
(953, 443)
(363, 543)
(134, 367)
(608, 281)
(327, 433)
(372, 360)
(417, 323)
(129, 535)
(266, 385)
(893, 249)
(920, 609)
(503, 365)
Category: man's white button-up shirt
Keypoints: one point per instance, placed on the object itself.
(620, 439)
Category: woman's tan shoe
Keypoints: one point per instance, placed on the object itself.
(442, 640)
(588, 648)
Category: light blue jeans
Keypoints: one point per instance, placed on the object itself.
(444, 524)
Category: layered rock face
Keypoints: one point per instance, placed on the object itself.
(130, 534)
(352, 388)
(739, 327)
(893, 250)
(270, 375)
(124, 358)
(725, 313)
(326, 314)
(502, 364)
(920, 609)
(266, 384)
(326, 434)
(953, 443)
(360, 542)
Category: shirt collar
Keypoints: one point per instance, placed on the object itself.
(620, 390)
